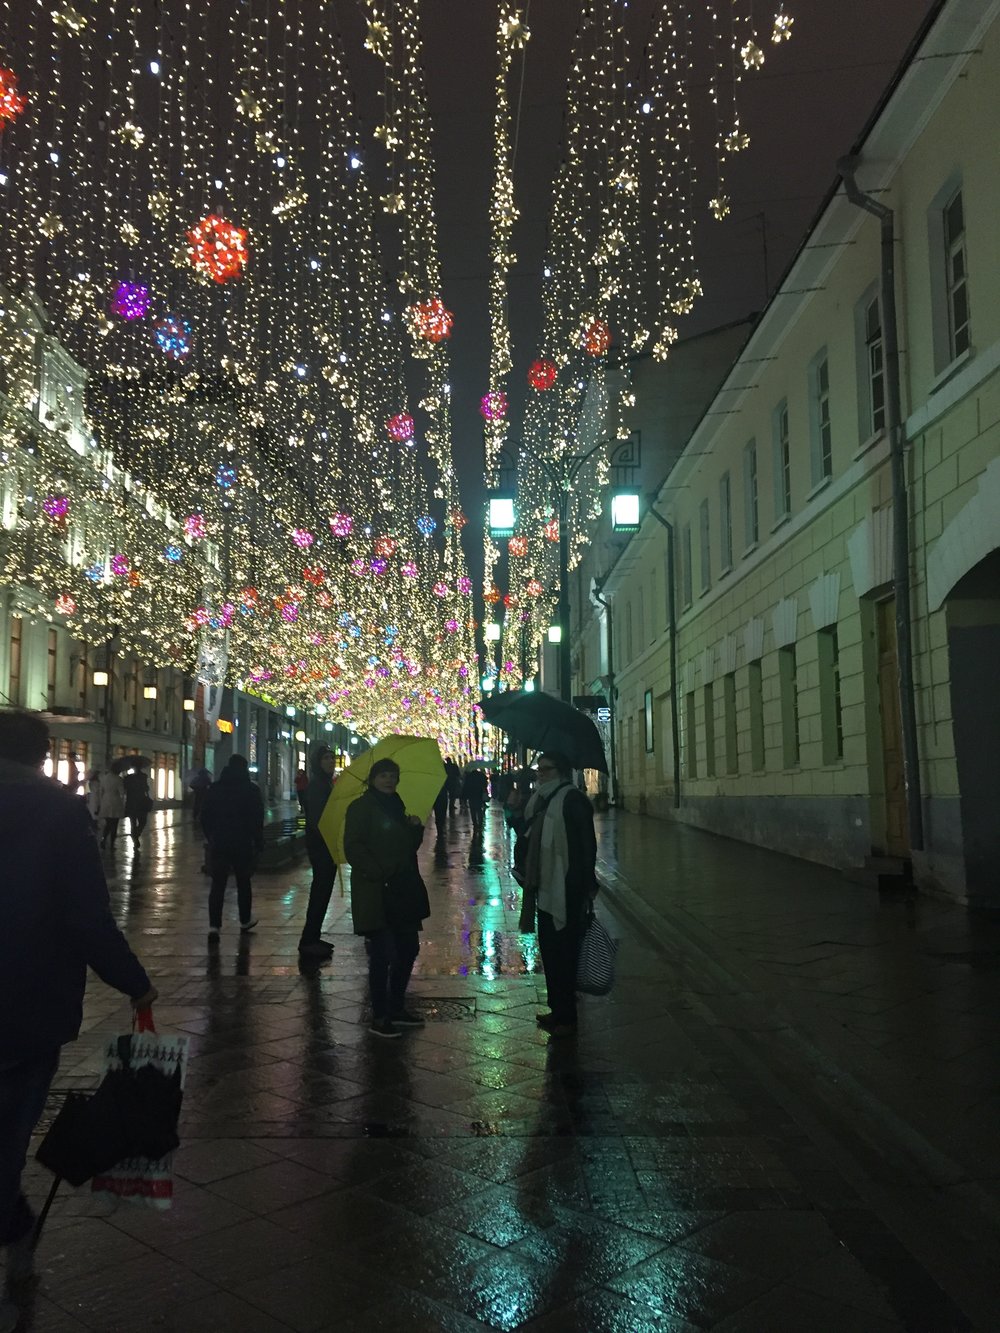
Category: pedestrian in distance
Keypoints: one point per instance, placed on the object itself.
(138, 802)
(55, 922)
(441, 812)
(324, 867)
(111, 807)
(301, 786)
(94, 797)
(557, 870)
(475, 791)
(199, 783)
(453, 782)
(388, 897)
(233, 821)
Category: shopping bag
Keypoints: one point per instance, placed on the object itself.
(143, 1085)
(595, 968)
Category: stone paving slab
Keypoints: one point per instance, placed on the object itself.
(475, 1174)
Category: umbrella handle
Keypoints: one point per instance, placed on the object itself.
(36, 1235)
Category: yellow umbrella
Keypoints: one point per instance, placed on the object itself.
(421, 777)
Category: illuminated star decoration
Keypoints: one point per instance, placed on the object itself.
(131, 301)
(217, 249)
(12, 103)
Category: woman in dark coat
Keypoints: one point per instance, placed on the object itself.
(556, 863)
(388, 897)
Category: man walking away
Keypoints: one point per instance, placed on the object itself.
(324, 867)
(233, 820)
(199, 782)
(55, 921)
(138, 803)
(474, 791)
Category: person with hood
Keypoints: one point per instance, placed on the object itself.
(324, 867)
(55, 922)
(388, 896)
(233, 821)
(559, 877)
(138, 802)
(110, 807)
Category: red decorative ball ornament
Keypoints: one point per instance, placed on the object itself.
(542, 374)
(596, 338)
(457, 519)
(551, 530)
(518, 546)
(533, 588)
(491, 596)
(12, 103)
(218, 249)
(431, 320)
(400, 428)
(493, 406)
(386, 546)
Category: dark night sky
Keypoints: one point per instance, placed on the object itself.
(802, 111)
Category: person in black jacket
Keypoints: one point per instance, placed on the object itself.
(138, 802)
(557, 869)
(324, 867)
(475, 789)
(233, 820)
(55, 921)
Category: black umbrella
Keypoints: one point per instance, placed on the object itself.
(545, 723)
(129, 761)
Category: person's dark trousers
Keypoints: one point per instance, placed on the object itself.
(137, 823)
(560, 951)
(324, 869)
(220, 864)
(23, 1088)
(391, 955)
(478, 811)
(110, 832)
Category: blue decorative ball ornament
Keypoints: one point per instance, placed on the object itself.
(95, 573)
(173, 553)
(426, 525)
(225, 477)
(173, 337)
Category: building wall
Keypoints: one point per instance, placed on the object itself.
(826, 564)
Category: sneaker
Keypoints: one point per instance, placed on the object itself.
(316, 949)
(248, 925)
(406, 1018)
(384, 1027)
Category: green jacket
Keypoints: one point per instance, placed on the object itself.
(377, 848)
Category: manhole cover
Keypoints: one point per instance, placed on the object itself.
(441, 1009)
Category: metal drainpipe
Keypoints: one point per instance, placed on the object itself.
(675, 724)
(611, 691)
(847, 167)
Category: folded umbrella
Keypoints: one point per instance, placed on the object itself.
(421, 777)
(543, 722)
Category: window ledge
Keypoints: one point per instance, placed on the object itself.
(726, 569)
(870, 443)
(952, 368)
(780, 522)
(820, 486)
(750, 549)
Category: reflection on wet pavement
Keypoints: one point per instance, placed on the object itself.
(470, 1175)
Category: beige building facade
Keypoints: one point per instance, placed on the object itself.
(781, 506)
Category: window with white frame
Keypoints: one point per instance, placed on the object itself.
(956, 276)
(820, 428)
(875, 364)
(725, 522)
(705, 545)
(782, 463)
(751, 510)
(687, 572)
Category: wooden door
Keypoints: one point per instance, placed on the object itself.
(896, 831)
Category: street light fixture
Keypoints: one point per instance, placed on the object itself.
(149, 691)
(486, 684)
(189, 705)
(100, 678)
(626, 511)
(555, 634)
(502, 515)
(491, 632)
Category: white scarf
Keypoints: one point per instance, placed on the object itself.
(554, 863)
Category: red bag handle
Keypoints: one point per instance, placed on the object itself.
(142, 1020)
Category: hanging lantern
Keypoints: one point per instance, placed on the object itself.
(314, 576)
(441, 589)
(173, 554)
(509, 600)
(493, 406)
(596, 337)
(518, 546)
(290, 612)
(217, 249)
(173, 337)
(341, 525)
(131, 301)
(119, 565)
(378, 566)
(400, 428)
(225, 477)
(12, 103)
(430, 320)
(542, 374)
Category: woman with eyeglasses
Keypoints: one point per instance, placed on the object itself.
(557, 869)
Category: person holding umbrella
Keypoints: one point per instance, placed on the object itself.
(559, 877)
(138, 800)
(388, 897)
(55, 922)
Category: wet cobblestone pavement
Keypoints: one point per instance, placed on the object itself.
(653, 1174)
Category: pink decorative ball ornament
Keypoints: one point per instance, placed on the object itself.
(302, 538)
(493, 406)
(341, 525)
(400, 428)
(409, 570)
(194, 527)
(56, 507)
(131, 301)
